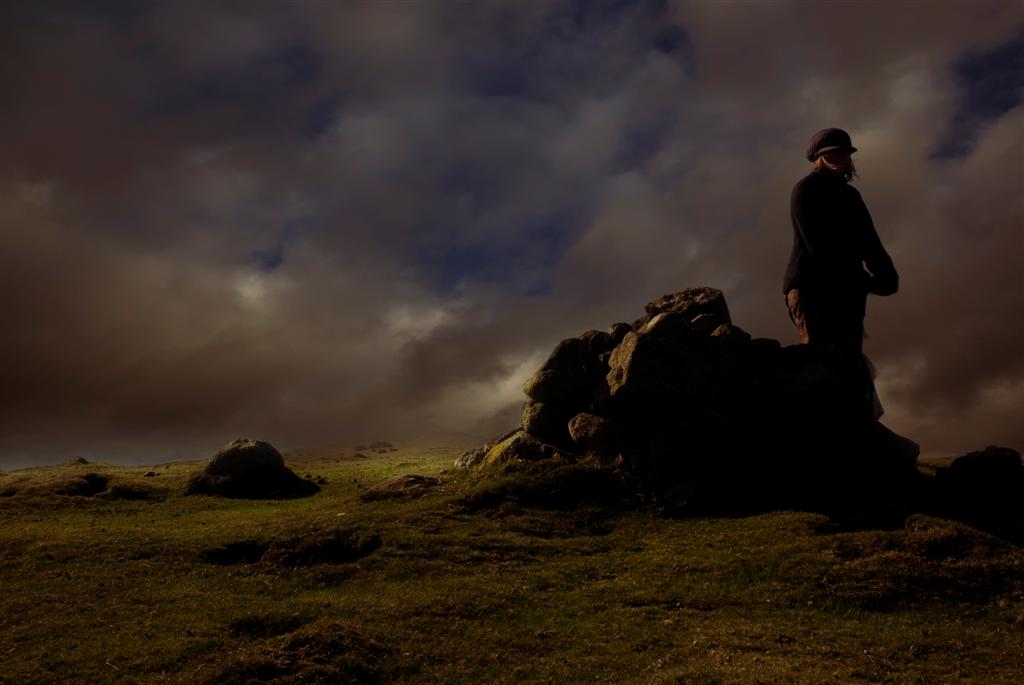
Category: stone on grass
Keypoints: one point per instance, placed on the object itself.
(251, 469)
(470, 458)
(992, 463)
(520, 446)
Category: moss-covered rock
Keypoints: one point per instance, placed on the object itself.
(250, 469)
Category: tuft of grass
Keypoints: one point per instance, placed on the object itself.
(320, 652)
(931, 562)
(547, 484)
(268, 624)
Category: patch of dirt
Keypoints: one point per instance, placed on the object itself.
(587, 522)
(320, 652)
(241, 552)
(88, 485)
(338, 547)
(98, 486)
(267, 625)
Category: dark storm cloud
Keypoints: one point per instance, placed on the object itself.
(326, 222)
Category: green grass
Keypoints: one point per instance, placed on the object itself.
(465, 588)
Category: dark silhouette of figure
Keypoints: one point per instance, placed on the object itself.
(826, 284)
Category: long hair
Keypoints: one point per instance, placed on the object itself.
(848, 174)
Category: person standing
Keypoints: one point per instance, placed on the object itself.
(826, 284)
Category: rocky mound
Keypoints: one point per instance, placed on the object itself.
(250, 469)
(333, 547)
(407, 486)
(321, 651)
(983, 488)
(695, 413)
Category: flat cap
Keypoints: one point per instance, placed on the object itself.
(829, 139)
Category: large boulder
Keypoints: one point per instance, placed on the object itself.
(547, 422)
(565, 377)
(672, 327)
(658, 372)
(519, 447)
(252, 469)
(989, 465)
(475, 456)
(983, 487)
(708, 303)
(594, 434)
(599, 341)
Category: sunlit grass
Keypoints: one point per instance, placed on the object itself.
(100, 589)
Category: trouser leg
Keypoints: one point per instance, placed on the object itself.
(838, 322)
(795, 307)
(823, 321)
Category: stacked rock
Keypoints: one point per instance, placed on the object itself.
(690, 403)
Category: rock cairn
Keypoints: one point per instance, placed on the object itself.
(700, 415)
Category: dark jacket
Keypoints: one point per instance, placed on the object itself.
(833, 238)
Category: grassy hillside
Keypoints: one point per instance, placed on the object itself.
(130, 581)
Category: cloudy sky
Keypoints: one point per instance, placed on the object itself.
(319, 223)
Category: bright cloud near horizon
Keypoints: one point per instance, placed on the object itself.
(323, 223)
